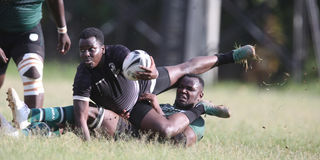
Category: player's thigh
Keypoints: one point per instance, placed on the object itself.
(175, 73)
(28, 42)
(191, 137)
(143, 116)
(110, 122)
(153, 121)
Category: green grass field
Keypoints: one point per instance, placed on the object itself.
(266, 123)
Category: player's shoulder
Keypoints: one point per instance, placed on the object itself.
(117, 48)
(82, 69)
(81, 66)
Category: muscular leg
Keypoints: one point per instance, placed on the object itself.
(187, 137)
(2, 77)
(34, 101)
(196, 65)
(170, 127)
(202, 64)
(109, 123)
(30, 67)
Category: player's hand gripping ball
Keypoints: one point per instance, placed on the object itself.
(133, 61)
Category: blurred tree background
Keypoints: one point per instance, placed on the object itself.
(162, 28)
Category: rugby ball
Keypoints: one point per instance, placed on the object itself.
(133, 61)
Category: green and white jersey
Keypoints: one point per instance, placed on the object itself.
(197, 125)
(19, 15)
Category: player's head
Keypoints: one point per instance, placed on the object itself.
(91, 46)
(189, 91)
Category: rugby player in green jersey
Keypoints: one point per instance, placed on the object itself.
(189, 94)
(22, 40)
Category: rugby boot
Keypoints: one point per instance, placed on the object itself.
(244, 53)
(20, 110)
(6, 128)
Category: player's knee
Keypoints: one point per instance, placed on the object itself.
(190, 139)
(167, 130)
(30, 70)
(32, 73)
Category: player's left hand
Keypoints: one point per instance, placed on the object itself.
(64, 43)
(148, 73)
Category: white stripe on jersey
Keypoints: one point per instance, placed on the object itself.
(153, 84)
(81, 98)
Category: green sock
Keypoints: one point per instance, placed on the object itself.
(37, 128)
(55, 115)
(41, 128)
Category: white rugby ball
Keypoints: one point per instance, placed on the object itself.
(133, 61)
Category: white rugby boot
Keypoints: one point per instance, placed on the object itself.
(6, 128)
(20, 110)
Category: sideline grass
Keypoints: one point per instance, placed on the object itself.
(268, 123)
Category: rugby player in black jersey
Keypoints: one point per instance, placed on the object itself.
(50, 120)
(21, 39)
(99, 78)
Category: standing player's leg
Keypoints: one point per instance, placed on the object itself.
(3, 68)
(2, 77)
(202, 64)
(28, 54)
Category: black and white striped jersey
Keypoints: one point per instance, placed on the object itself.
(105, 84)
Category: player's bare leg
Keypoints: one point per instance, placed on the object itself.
(34, 101)
(30, 68)
(202, 64)
(170, 127)
(186, 138)
(2, 77)
(109, 122)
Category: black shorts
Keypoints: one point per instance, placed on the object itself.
(141, 108)
(16, 44)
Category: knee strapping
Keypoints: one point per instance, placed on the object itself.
(30, 70)
(98, 121)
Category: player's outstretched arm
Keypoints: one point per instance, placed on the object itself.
(81, 109)
(220, 111)
(57, 10)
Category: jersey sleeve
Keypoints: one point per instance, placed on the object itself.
(82, 84)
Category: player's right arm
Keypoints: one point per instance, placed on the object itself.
(152, 98)
(81, 109)
(81, 98)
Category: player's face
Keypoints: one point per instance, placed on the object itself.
(189, 92)
(91, 51)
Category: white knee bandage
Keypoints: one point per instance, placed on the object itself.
(32, 85)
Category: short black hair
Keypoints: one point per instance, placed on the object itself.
(201, 81)
(92, 32)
